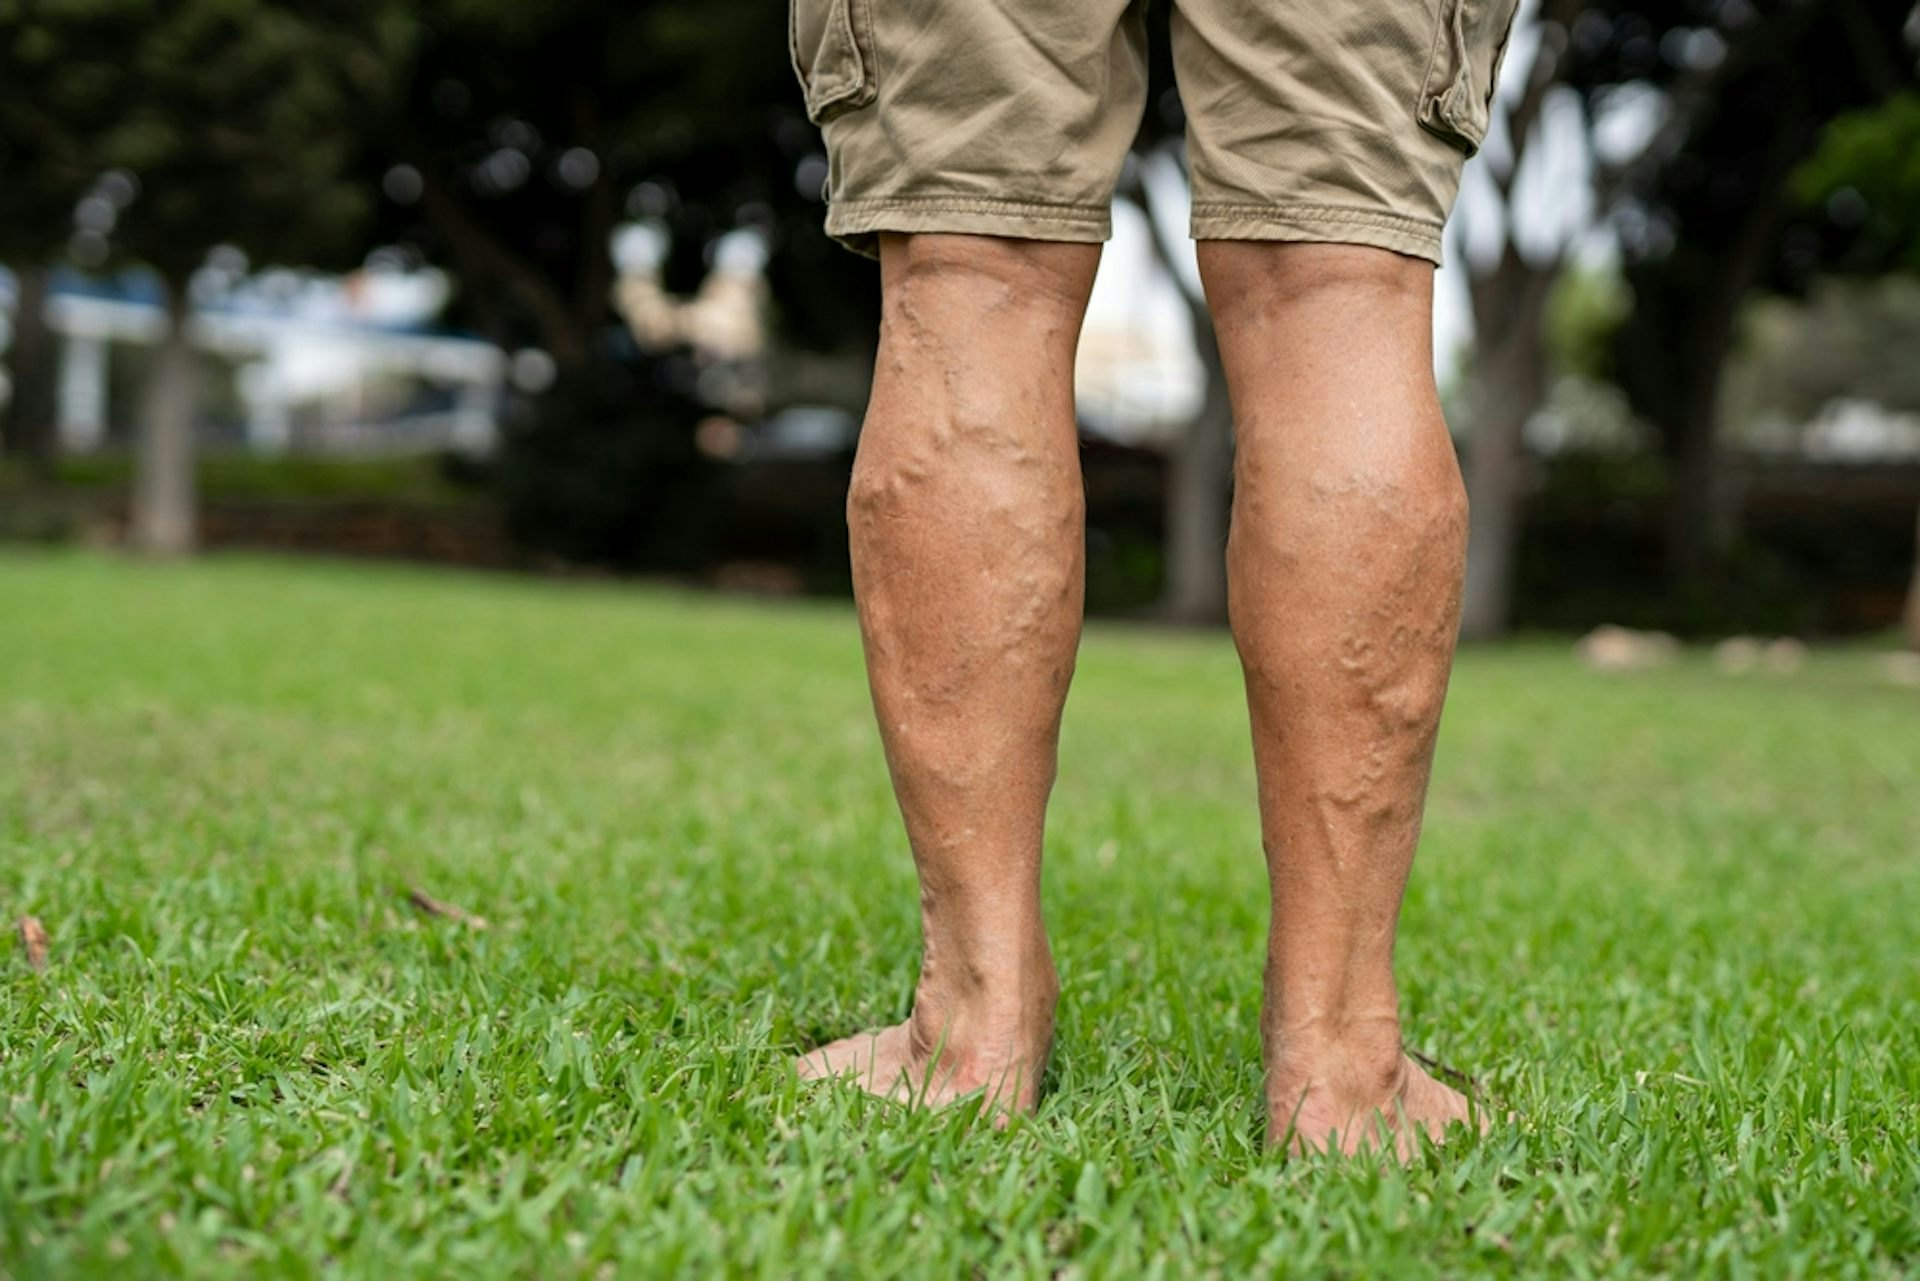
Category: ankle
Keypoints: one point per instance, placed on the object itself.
(1351, 1058)
(1006, 1001)
(989, 970)
(1005, 992)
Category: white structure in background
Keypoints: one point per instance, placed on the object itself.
(723, 322)
(1851, 430)
(301, 342)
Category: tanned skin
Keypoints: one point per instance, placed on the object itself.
(1348, 545)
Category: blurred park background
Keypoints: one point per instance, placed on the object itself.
(545, 286)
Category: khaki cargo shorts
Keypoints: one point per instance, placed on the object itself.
(1327, 120)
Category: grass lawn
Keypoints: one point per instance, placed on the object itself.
(1672, 918)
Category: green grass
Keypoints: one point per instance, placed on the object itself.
(1669, 917)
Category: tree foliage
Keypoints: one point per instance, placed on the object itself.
(243, 123)
(62, 85)
(215, 122)
(1706, 212)
(1865, 179)
(525, 133)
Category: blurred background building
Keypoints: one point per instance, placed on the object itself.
(546, 287)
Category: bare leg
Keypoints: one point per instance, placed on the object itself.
(1344, 563)
(966, 521)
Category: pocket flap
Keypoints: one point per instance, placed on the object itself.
(829, 57)
(1457, 102)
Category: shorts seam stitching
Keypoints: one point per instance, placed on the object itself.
(1319, 213)
(1023, 208)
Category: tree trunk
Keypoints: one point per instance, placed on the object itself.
(1692, 504)
(1510, 390)
(1913, 594)
(1199, 476)
(1702, 302)
(164, 497)
(1699, 525)
(1200, 466)
(29, 430)
(1510, 382)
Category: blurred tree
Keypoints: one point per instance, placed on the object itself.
(1509, 294)
(61, 88)
(1865, 178)
(241, 125)
(527, 133)
(524, 139)
(1199, 482)
(1588, 304)
(1911, 615)
(1706, 212)
(1846, 339)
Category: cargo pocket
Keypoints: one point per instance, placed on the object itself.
(1457, 100)
(831, 42)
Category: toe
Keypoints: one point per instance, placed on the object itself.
(860, 1058)
(836, 1058)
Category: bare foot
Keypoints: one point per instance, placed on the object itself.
(934, 1060)
(1337, 1102)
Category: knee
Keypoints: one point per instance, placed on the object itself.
(990, 271)
(1243, 274)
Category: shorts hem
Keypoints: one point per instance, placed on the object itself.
(857, 224)
(1331, 224)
